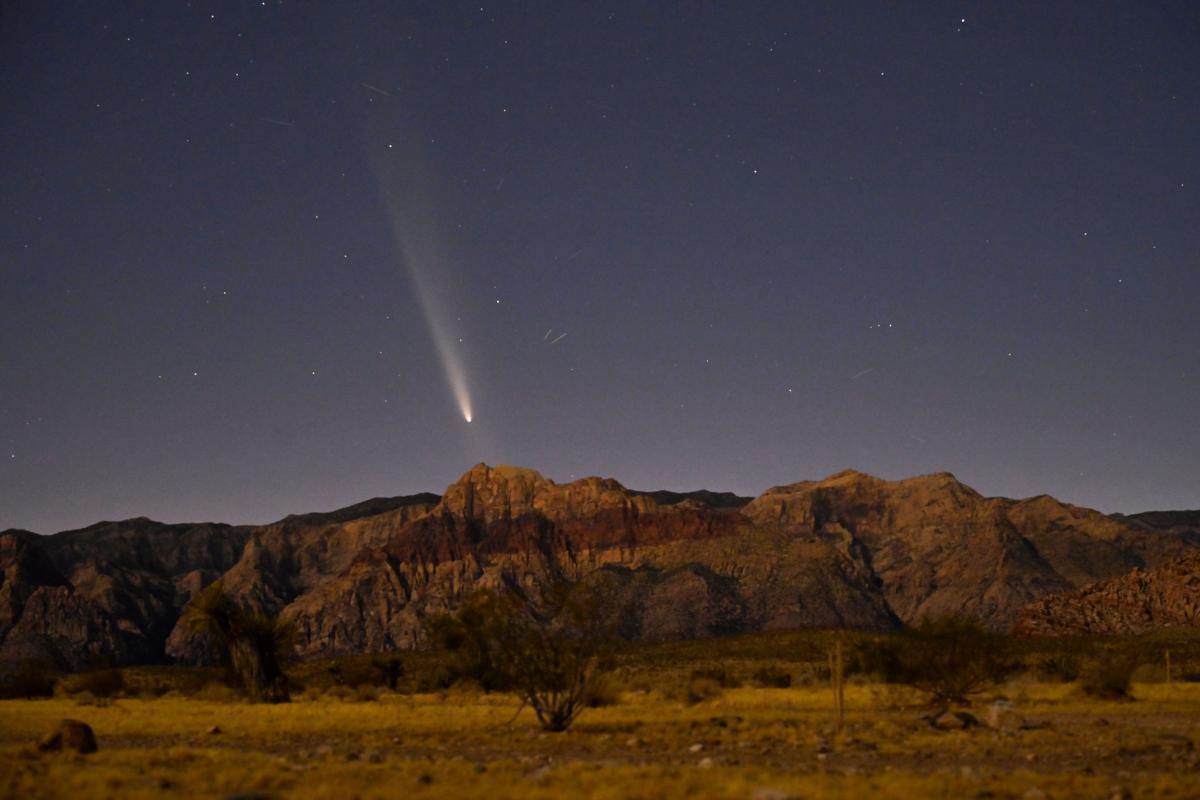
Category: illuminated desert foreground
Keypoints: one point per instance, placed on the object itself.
(744, 717)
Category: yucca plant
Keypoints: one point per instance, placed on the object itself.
(253, 645)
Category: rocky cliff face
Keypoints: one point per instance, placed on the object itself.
(285, 560)
(109, 593)
(1165, 597)
(851, 550)
(938, 546)
(683, 569)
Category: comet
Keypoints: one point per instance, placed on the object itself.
(406, 192)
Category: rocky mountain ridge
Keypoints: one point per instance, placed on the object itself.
(1167, 596)
(851, 550)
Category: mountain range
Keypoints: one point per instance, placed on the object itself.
(851, 550)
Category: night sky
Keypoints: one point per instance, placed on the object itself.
(257, 258)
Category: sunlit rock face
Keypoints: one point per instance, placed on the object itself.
(937, 546)
(851, 550)
(1167, 596)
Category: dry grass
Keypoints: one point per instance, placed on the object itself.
(468, 744)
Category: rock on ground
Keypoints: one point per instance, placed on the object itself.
(71, 734)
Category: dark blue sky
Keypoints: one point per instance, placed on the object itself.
(782, 239)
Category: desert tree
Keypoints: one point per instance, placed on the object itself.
(252, 644)
(550, 644)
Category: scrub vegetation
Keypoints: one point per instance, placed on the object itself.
(747, 717)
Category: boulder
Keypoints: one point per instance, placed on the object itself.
(70, 734)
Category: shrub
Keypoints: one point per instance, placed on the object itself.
(467, 641)
(773, 677)
(1109, 678)
(604, 691)
(811, 675)
(99, 683)
(340, 692)
(365, 694)
(1059, 668)
(438, 679)
(217, 692)
(949, 657)
(700, 689)
(878, 657)
(1149, 673)
(549, 645)
(29, 679)
(719, 675)
(389, 670)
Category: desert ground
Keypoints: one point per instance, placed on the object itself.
(658, 732)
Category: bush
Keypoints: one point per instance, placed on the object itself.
(217, 692)
(99, 683)
(438, 679)
(340, 692)
(365, 694)
(1109, 678)
(1059, 668)
(1149, 673)
(719, 675)
(812, 675)
(603, 692)
(468, 645)
(879, 657)
(550, 645)
(388, 669)
(29, 679)
(700, 689)
(773, 677)
(949, 657)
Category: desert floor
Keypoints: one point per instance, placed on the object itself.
(747, 742)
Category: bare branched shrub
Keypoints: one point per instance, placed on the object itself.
(1059, 668)
(252, 644)
(949, 657)
(550, 645)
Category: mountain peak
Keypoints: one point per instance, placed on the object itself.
(487, 493)
(847, 476)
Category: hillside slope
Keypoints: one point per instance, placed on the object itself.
(851, 550)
